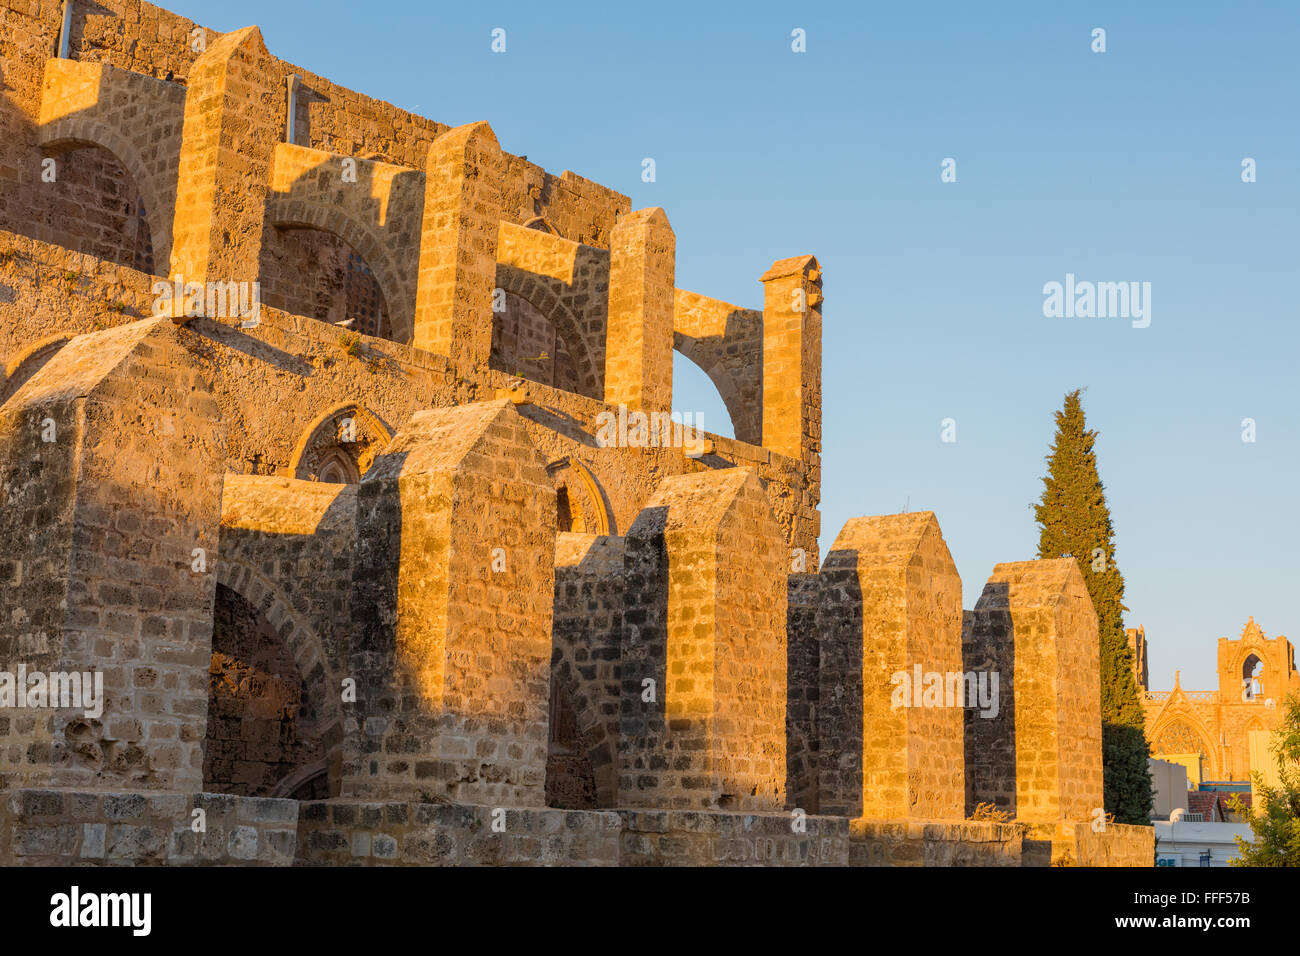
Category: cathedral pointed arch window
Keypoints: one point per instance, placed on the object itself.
(1251, 673)
(1178, 738)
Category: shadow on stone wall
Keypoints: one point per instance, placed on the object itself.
(262, 728)
(989, 644)
(840, 711)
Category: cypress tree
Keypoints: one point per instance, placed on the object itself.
(1074, 521)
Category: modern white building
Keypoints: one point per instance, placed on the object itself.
(1180, 843)
(1168, 788)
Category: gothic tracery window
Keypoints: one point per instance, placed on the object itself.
(341, 448)
(1178, 738)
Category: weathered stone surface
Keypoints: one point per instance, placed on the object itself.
(890, 608)
(227, 149)
(703, 653)
(453, 835)
(136, 829)
(111, 493)
(1036, 625)
(639, 346)
(314, 555)
(452, 604)
(458, 245)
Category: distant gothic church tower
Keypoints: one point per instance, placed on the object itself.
(1137, 646)
(1221, 734)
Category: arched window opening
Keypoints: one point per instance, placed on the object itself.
(338, 469)
(96, 207)
(580, 505)
(526, 344)
(697, 400)
(570, 779)
(261, 729)
(312, 272)
(563, 512)
(1178, 738)
(340, 446)
(1251, 673)
(541, 224)
(28, 366)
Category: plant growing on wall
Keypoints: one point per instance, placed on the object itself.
(1074, 521)
(350, 343)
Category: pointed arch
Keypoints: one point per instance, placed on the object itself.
(723, 386)
(77, 132)
(307, 651)
(726, 342)
(326, 448)
(371, 207)
(542, 224)
(545, 296)
(589, 511)
(1179, 726)
(28, 362)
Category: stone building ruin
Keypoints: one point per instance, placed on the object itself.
(362, 584)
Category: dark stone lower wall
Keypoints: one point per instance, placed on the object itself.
(352, 833)
(680, 838)
(946, 843)
(67, 827)
(803, 665)
(70, 827)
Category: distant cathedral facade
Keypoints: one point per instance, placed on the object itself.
(1221, 734)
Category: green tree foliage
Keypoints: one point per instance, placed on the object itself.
(1275, 822)
(1074, 522)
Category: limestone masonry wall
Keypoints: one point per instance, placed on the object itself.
(68, 827)
(340, 449)
(891, 605)
(1036, 619)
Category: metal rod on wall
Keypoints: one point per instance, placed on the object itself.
(65, 35)
(292, 79)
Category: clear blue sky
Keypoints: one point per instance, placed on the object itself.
(1117, 166)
